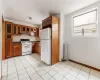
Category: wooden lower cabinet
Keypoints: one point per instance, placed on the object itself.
(37, 49)
(17, 49)
(33, 47)
(8, 48)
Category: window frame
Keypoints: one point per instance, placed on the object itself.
(85, 12)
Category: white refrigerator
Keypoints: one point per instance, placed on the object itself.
(45, 36)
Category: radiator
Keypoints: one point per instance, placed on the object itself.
(65, 52)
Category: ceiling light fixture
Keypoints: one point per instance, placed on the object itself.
(30, 18)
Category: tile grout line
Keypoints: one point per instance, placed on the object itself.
(25, 68)
(61, 69)
(7, 69)
(69, 71)
(89, 74)
(53, 75)
(34, 69)
(2, 69)
(16, 68)
(78, 73)
(47, 72)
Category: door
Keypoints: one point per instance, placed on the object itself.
(46, 51)
(8, 46)
(26, 48)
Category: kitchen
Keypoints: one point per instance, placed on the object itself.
(22, 40)
(50, 40)
(25, 41)
(14, 33)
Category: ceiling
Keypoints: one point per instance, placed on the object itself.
(20, 10)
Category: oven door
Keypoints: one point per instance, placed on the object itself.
(26, 49)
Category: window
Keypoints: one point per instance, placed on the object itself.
(85, 24)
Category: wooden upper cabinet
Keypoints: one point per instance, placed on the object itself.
(31, 29)
(19, 29)
(14, 31)
(47, 22)
(8, 27)
(23, 29)
(28, 29)
(8, 36)
(36, 31)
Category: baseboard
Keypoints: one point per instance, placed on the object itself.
(85, 65)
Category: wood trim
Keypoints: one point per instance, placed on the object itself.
(85, 65)
(3, 39)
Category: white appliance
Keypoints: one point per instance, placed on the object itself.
(26, 47)
(45, 36)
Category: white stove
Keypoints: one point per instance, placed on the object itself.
(26, 47)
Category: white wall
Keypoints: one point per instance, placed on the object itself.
(0, 35)
(83, 49)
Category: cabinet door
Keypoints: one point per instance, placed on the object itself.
(31, 29)
(34, 30)
(28, 29)
(23, 29)
(8, 27)
(37, 32)
(8, 48)
(15, 29)
(19, 30)
(17, 50)
(33, 48)
(37, 49)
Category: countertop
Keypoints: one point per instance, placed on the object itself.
(30, 41)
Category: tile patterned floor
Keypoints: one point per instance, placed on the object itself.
(30, 67)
